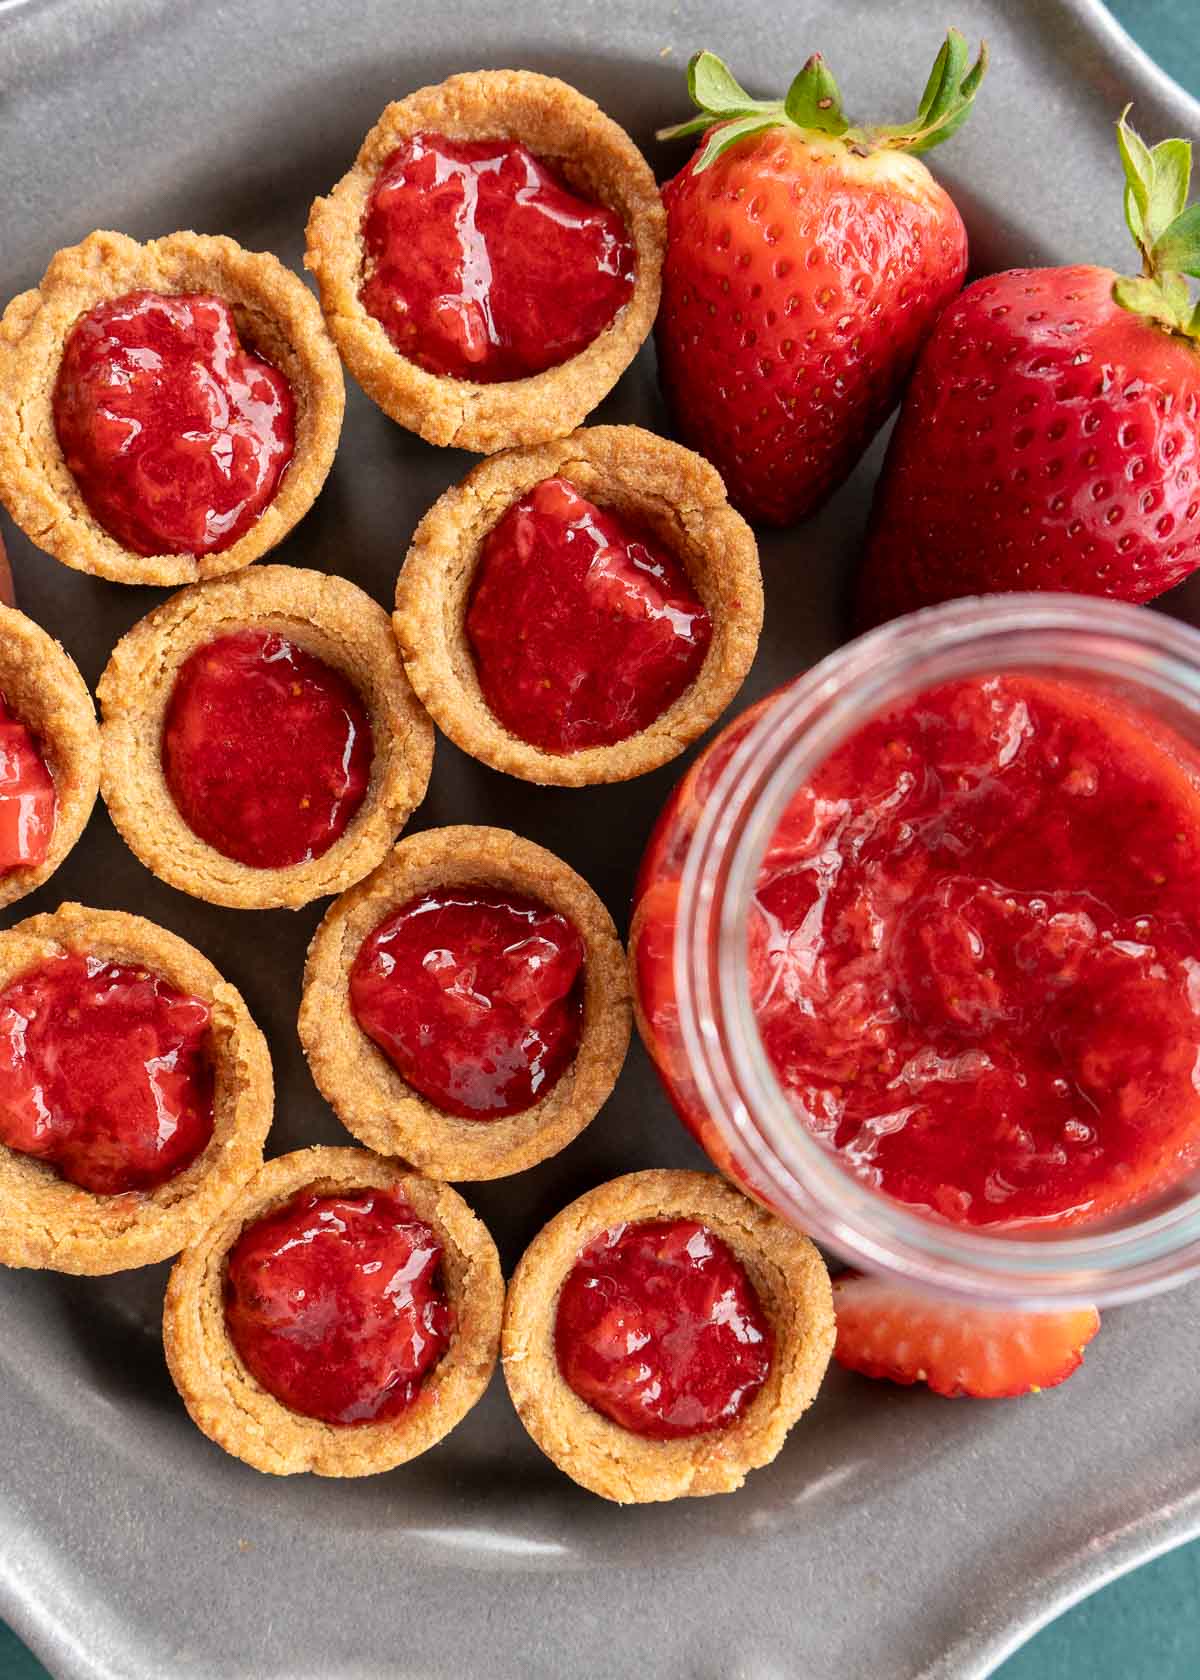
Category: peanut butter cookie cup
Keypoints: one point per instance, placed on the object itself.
(491, 263)
(135, 1092)
(49, 754)
(168, 411)
(663, 1333)
(582, 610)
(351, 1351)
(261, 743)
(466, 1007)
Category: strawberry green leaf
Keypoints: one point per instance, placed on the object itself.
(1164, 299)
(714, 87)
(1138, 165)
(814, 105)
(1177, 248)
(680, 131)
(721, 139)
(1156, 182)
(1172, 161)
(813, 100)
(945, 104)
(720, 96)
(949, 68)
(1141, 296)
(1165, 227)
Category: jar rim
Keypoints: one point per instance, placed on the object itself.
(797, 731)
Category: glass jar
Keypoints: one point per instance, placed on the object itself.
(690, 929)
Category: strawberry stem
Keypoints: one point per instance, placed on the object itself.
(813, 105)
(1165, 229)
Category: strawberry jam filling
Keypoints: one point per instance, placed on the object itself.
(481, 264)
(975, 953)
(176, 435)
(476, 997)
(266, 749)
(27, 798)
(105, 1073)
(583, 629)
(335, 1304)
(659, 1328)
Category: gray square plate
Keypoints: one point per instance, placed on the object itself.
(897, 1534)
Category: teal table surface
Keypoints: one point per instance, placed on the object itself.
(1148, 1623)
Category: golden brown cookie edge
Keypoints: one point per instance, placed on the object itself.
(334, 619)
(366, 1091)
(566, 128)
(35, 483)
(229, 1406)
(50, 697)
(54, 1225)
(648, 479)
(793, 1287)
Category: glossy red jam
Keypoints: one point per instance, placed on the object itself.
(481, 263)
(176, 435)
(584, 630)
(105, 1073)
(975, 953)
(476, 997)
(27, 797)
(336, 1306)
(659, 1328)
(266, 749)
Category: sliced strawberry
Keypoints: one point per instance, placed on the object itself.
(989, 1353)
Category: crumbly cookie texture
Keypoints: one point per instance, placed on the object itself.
(328, 616)
(595, 156)
(45, 690)
(667, 489)
(360, 1083)
(276, 315)
(231, 1406)
(793, 1288)
(46, 1222)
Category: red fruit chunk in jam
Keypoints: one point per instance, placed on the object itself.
(476, 997)
(335, 1304)
(659, 1328)
(975, 953)
(176, 435)
(105, 1073)
(27, 797)
(583, 629)
(481, 263)
(266, 749)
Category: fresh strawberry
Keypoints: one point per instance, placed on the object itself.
(806, 262)
(1049, 438)
(886, 1330)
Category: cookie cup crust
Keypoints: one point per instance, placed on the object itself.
(327, 616)
(276, 316)
(369, 1095)
(43, 686)
(47, 1222)
(595, 156)
(793, 1289)
(661, 486)
(233, 1409)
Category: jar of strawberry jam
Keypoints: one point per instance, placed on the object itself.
(917, 950)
